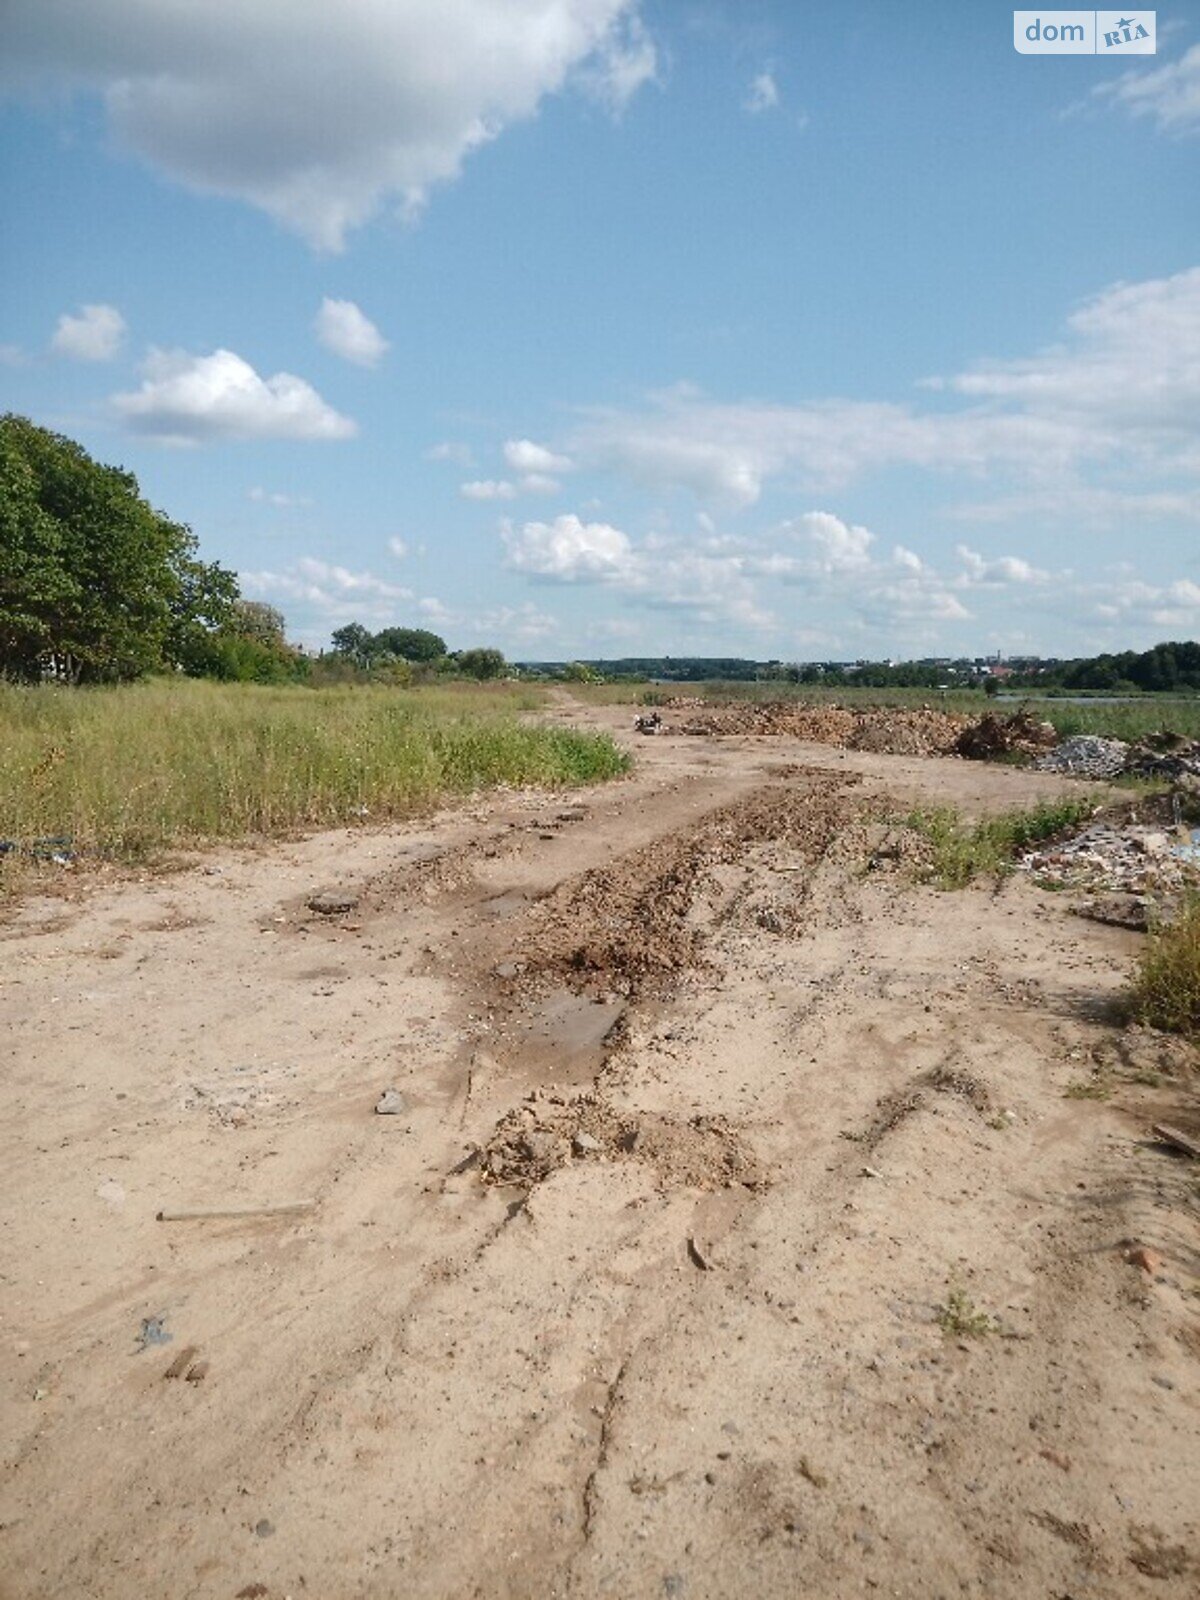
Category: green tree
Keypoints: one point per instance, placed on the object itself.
(95, 584)
(355, 643)
(411, 644)
(481, 663)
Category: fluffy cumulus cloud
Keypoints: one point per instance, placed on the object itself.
(978, 571)
(342, 328)
(189, 399)
(1169, 94)
(568, 550)
(96, 334)
(318, 113)
(523, 455)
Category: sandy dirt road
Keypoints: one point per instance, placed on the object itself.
(708, 1111)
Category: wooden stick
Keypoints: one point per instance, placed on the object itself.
(205, 1213)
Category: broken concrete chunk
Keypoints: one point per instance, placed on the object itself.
(332, 903)
(391, 1103)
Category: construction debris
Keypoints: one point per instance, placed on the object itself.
(1134, 859)
(1086, 755)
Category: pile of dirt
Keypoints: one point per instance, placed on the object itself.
(547, 1132)
(993, 737)
(628, 927)
(919, 731)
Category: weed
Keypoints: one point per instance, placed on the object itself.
(960, 1318)
(1096, 1088)
(1165, 991)
(126, 772)
(964, 851)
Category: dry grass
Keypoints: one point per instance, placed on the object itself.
(1165, 992)
(124, 772)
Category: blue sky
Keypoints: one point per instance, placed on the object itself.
(590, 327)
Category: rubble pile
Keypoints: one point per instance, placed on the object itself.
(994, 737)
(1133, 858)
(918, 732)
(1086, 755)
(1165, 755)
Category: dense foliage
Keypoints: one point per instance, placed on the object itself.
(1166, 666)
(95, 585)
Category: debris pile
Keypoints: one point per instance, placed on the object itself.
(1086, 755)
(1165, 755)
(994, 737)
(921, 731)
(548, 1131)
(1134, 858)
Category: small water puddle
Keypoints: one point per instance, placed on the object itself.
(562, 1039)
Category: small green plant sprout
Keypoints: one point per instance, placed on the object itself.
(960, 1318)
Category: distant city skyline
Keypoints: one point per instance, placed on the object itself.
(597, 328)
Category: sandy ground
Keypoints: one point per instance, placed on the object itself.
(708, 1110)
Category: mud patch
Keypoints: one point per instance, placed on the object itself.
(631, 927)
(545, 1133)
(563, 1039)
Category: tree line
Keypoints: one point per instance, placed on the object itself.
(1174, 665)
(96, 586)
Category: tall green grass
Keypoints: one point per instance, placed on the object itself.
(123, 772)
(1165, 991)
(963, 851)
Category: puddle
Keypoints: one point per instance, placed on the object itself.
(562, 1041)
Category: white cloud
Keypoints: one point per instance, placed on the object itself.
(342, 328)
(488, 489)
(327, 594)
(398, 548)
(11, 355)
(367, 100)
(96, 334)
(539, 483)
(522, 455)
(1002, 570)
(1170, 93)
(841, 546)
(276, 498)
(187, 399)
(625, 61)
(451, 450)
(763, 94)
(569, 551)
(1120, 394)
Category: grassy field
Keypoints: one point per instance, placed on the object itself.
(125, 772)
